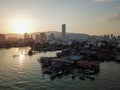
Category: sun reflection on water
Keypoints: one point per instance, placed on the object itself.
(21, 58)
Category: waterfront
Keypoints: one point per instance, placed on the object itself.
(18, 71)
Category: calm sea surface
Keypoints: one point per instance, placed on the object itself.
(18, 71)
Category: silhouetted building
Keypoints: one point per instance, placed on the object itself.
(37, 37)
(63, 31)
(12, 39)
(25, 36)
(43, 37)
(20, 42)
(2, 38)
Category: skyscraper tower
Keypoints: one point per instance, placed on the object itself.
(25, 36)
(63, 31)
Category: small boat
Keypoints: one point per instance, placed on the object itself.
(82, 77)
(30, 52)
(91, 77)
(89, 72)
(118, 58)
(59, 74)
(74, 75)
(53, 76)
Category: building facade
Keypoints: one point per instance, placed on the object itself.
(63, 31)
(2, 38)
(41, 38)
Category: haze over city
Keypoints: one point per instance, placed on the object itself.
(59, 44)
(94, 17)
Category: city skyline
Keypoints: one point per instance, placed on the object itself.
(94, 17)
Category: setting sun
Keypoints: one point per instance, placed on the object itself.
(21, 26)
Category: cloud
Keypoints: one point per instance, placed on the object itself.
(101, 0)
(118, 7)
(114, 17)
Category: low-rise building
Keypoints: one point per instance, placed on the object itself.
(2, 38)
(12, 39)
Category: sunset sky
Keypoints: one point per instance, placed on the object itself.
(94, 17)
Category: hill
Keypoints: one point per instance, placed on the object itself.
(56, 34)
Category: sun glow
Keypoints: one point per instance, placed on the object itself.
(21, 26)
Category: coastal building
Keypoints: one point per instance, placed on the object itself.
(67, 42)
(20, 42)
(51, 36)
(25, 36)
(51, 42)
(51, 39)
(60, 41)
(37, 37)
(118, 44)
(63, 31)
(2, 37)
(28, 38)
(42, 38)
(75, 57)
(12, 39)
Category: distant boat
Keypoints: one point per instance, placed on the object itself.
(118, 57)
(92, 77)
(82, 77)
(53, 76)
(89, 72)
(30, 52)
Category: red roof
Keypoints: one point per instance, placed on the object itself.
(86, 63)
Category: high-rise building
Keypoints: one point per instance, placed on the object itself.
(37, 37)
(25, 36)
(43, 37)
(28, 38)
(63, 31)
(51, 36)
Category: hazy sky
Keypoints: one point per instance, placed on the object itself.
(81, 16)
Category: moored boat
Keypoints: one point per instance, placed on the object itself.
(92, 77)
